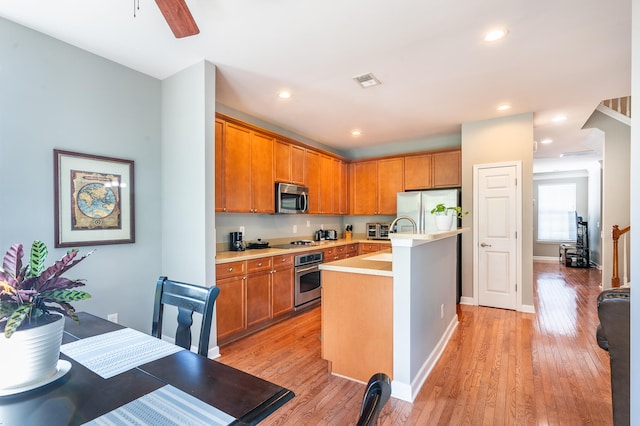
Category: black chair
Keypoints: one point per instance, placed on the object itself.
(188, 298)
(377, 394)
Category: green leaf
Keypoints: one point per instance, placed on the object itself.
(16, 319)
(7, 308)
(65, 295)
(38, 256)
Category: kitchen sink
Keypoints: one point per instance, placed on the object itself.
(383, 257)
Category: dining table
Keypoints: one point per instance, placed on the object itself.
(101, 382)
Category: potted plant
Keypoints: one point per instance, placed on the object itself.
(33, 300)
(445, 215)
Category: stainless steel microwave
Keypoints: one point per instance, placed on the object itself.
(291, 198)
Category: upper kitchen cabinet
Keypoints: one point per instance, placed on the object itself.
(375, 184)
(340, 186)
(439, 169)
(318, 177)
(289, 163)
(219, 128)
(247, 162)
(418, 172)
(447, 169)
(312, 179)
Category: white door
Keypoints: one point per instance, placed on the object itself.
(496, 222)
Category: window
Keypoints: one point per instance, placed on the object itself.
(557, 212)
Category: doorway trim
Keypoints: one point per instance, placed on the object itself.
(519, 248)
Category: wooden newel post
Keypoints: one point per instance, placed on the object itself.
(615, 235)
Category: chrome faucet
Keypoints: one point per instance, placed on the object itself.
(393, 224)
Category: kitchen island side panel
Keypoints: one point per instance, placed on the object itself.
(357, 318)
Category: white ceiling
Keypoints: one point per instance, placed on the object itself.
(560, 57)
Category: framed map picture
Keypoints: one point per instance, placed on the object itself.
(93, 197)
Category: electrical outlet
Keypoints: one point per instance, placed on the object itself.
(295, 229)
(441, 311)
(113, 317)
(242, 230)
(308, 224)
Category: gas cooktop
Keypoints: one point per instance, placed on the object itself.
(296, 244)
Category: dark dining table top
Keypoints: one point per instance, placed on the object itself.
(82, 395)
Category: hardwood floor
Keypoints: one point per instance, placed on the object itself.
(500, 367)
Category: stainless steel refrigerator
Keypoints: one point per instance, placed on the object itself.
(418, 204)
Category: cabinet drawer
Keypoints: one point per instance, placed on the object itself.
(283, 261)
(352, 248)
(231, 269)
(261, 264)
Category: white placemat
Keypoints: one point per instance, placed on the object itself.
(165, 406)
(118, 351)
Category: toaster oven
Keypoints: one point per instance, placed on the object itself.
(378, 231)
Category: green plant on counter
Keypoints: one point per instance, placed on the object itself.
(442, 210)
(26, 292)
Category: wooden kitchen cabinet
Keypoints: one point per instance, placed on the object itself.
(418, 172)
(390, 182)
(365, 248)
(326, 185)
(447, 171)
(230, 303)
(247, 170)
(289, 163)
(312, 179)
(282, 285)
(375, 184)
(365, 187)
(340, 187)
(219, 165)
(258, 290)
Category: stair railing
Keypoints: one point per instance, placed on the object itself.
(616, 233)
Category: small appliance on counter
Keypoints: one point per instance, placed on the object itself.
(258, 244)
(330, 234)
(235, 242)
(318, 235)
(378, 231)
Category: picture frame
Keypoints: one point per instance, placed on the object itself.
(93, 199)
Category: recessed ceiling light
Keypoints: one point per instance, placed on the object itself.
(504, 107)
(284, 94)
(546, 141)
(577, 153)
(559, 118)
(356, 133)
(495, 34)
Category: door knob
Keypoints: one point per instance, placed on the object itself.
(485, 245)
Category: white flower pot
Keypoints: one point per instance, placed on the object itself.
(444, 222)
(31, 354)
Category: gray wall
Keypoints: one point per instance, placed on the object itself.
(498, 140)
(53, 95)
(616, 175)
(547, 249)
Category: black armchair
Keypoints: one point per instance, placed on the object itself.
(613, 336)
(377, 394)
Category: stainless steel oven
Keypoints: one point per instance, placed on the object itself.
(307, 278)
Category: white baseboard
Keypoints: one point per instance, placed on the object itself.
(553, 259)
(408, 392)
(528, 309)
(467, 301)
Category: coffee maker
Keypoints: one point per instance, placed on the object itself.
(235, 241)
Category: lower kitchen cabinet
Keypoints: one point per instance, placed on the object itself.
(230, 304)
(282, 285)
(258, 290)
(372, 247)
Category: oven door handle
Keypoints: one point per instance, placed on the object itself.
(311, 268)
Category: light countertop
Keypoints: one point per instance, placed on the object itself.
(378, 263)
(235, 256)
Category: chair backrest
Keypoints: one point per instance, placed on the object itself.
(188, 298)
(375, 396)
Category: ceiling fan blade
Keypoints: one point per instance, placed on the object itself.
(178, 16)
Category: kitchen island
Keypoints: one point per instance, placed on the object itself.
(391, 312)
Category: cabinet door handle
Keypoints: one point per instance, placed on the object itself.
(260, 264)
(230, 269)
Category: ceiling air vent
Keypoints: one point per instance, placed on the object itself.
(367, 80)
